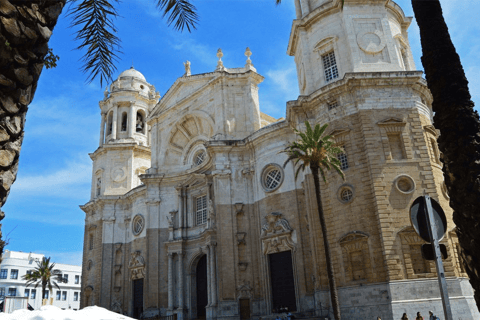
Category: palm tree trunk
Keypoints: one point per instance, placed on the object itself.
(326, 244)
(25, 28)
(459, 126)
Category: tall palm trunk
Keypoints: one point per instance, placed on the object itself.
(459, 127)
(326, 244)
(25, 28)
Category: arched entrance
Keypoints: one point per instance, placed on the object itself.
(202, 285)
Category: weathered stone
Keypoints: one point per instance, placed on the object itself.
(25, 95)
(23, 76)
(6, 157)
(4, 136)
(13, 124)
(45, 32)
(10, 24)
(18, 58)
(40, 17)
(8, 177)
(6, 8)
(14, 146)
(4, 81)
(8, 104)
(27, 31)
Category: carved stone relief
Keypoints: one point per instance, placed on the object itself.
(137, 266)
(276, 234)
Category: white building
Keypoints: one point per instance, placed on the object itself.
(16, 264)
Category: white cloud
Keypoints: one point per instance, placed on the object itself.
(285, 82)
(201, 52)
(62, 182)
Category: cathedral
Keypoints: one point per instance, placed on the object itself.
(193, 213)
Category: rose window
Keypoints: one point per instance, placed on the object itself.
(138, 224)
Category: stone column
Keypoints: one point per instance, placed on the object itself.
(170, 281)
(209, 278)
(180, 280)
(114, 123)
(213, 274)
(131, 120)
(102, 130)
(184, 213)
(298, 9)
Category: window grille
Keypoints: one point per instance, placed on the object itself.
(342, 157)
(347, 195)
(3, 273)
(2, 292)
(26, 293)
(201, 210)
(199, 158)
(77, 279)
(65, 278)
(64, 295)
(34, 293)
(58, 295)
(75, 296)
(330, 66)
(272, 179)
(332, 105)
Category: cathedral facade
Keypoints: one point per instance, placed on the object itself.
(193, 212)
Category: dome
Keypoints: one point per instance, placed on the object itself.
(132, 73)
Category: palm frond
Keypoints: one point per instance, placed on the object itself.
(97, 36)
(180, 12)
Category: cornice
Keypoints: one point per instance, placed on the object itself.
(136, 148)
(360, 79)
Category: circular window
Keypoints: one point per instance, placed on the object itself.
(138, 224)
(345, 193)
(405, 184)
(142, 87)
(199, 157)
(272, 177)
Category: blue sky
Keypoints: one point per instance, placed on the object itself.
(42, 213)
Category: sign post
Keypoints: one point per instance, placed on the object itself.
(432, 229)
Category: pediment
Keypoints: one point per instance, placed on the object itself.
(431, 129)
(193, 180)
(392, 122)
(184, 88)
(339, 132)
(322, 44)
(353, 236)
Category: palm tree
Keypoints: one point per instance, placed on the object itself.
(25, 29)
(459, 126)
(44, 275)
(318, 153)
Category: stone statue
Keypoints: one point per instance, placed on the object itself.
(187, 68)
(171, 218)
(105, 93)
(139, 125)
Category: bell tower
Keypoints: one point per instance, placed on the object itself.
(328, 40)
(124, 148)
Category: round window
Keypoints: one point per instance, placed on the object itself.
(199, 157)
(138, 224)
(345, 193)
(405, 184)
(272, 177)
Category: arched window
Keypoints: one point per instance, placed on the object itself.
(109, 123)
(140, 124)
(124, 121)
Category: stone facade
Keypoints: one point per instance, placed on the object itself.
(193, 212)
